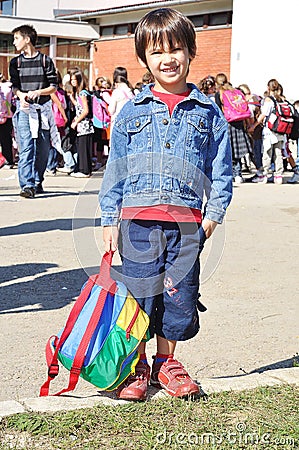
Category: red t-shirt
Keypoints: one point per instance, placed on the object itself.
(165, 212)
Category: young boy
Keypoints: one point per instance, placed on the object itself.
(169, 145)
(34, 79)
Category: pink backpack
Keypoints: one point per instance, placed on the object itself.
(59, 120)
(235, 106)
(5, 102)
(101, 117)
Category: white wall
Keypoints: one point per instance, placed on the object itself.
(43, 9)
(265, 44)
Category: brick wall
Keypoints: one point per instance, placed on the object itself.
(213, 56)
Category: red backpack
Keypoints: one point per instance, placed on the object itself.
(281, 120)
(235, 106)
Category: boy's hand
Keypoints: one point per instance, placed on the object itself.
(110, 238)
(208, 226)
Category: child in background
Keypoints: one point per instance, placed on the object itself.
(295, 137)
(121, 94)
(169, 145)
(82, 123)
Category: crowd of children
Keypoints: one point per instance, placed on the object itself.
(255, 146)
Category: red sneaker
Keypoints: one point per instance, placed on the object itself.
(135, 386)
(173, 377)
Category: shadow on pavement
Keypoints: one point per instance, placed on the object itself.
(284, 364)
(46, 292)
(40, 226)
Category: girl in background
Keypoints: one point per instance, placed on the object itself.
(122, 92)
(6, 123)
(239, 139)
(82, 123)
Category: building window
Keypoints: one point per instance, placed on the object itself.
(43, 44)
(72, 48)
(6, 7)
(212, 19)
(218, 19)
(121, 29)
(118, 30)
(6, 41)
(199, 21)
(72, 53)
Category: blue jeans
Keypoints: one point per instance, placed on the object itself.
(257, 152)
(237, 167)
(52, 159)
(69, 159)
(33, 153)
(297, 159)
(160, 266)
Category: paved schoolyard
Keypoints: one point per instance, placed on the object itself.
(250, 280)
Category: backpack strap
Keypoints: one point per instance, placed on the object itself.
(44, 60)
(52, 357)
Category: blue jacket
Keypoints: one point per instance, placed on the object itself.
(156, 158)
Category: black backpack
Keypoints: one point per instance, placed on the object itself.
(294, 135)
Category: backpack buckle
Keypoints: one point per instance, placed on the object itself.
(53, 370)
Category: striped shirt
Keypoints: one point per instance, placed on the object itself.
(30, 74)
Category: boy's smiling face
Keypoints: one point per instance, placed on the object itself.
(169, 66)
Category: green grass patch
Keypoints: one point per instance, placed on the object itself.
(263, 418)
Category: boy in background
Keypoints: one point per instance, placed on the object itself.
(34, 79)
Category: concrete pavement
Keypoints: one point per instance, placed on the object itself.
(249, 284)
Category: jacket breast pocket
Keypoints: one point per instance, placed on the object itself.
(197, 134)
(140, 133)
(195, 152)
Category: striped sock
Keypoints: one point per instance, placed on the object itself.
(160, 357)
(143, 358)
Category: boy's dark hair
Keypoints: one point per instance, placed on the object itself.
(27, 30)
(162, 26)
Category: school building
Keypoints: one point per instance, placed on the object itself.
(251, 42)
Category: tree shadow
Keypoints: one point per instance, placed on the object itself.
(40, 226)
(47, 291)
(283, 364)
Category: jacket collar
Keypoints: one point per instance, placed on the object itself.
(195, 94)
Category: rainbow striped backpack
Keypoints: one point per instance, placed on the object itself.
(100, 338)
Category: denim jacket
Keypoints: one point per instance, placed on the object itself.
(156, 158)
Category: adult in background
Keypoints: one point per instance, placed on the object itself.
(34, 79)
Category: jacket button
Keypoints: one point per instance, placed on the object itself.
(137, 123)
(167, 145)
(201, 125)
(165, 122)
